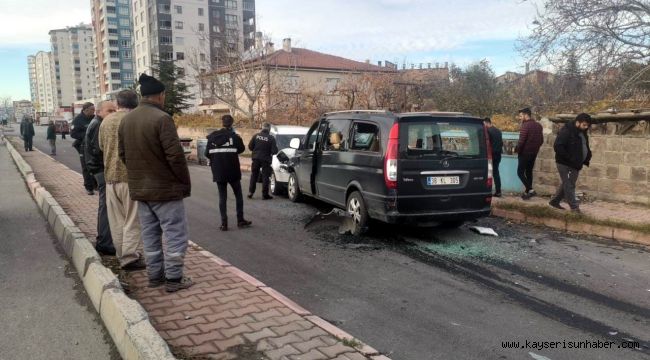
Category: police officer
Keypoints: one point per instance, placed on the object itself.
(263, 147)
(224, 147)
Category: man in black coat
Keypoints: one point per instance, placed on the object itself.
(224, 147)
(263, 146)
(27, 132)
(496, 140)
(571, 153)
(95, 166)
(78, 132)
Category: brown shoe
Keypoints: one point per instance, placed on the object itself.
(176, 285)
(155, 283)
(135, 266)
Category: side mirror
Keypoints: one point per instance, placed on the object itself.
(295, 143)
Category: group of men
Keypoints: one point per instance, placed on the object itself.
(572, 152)
(131, 154)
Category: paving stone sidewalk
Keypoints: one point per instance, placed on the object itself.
(227, 314)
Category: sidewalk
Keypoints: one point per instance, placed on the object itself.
(227, 314)
(617, 221)
(46, 314)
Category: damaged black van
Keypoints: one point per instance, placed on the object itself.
(410, 168)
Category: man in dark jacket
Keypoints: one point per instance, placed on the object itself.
(496, 140)
(263, 146)
(78, 132)
(95, 166)
(158, 180)
(572, 152)
(531, 138)
(51, 137)
(27, 132)
(224, 147)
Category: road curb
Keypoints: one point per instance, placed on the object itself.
(576, 226)
(125, 319)
(331, 329)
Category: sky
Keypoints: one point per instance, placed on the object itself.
(400, 31)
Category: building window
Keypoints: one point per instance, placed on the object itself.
(114, 54)
(125, 43)
(125, 32)
(112, 43)
(164, 9)
(110, 32)
(122, 10)
(201, 27)
(178, 25)
(127, 66)
(127, 76)
(231, 20)
(180, 56)
(165, 40)
(179, 40)
(125, 22)
(166, 24)
(115, 64)
(168, 56)
(249, 6)
(126, 54)
(178, 9)
(201, 12)
(231, 4)
(202, 57)
(115, 76)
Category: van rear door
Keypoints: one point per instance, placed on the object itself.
(443, 165)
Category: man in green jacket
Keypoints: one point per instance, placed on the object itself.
(158, 180)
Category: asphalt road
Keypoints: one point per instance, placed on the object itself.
(419, 294)
(45, 313)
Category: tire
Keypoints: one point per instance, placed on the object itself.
(293, 190)
(356, 207)
(452, 224)
(276, 189)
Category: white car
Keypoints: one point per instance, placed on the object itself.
(283, 135)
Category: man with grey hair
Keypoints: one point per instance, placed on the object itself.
(122, 210)
(95, 166)
(263, 147)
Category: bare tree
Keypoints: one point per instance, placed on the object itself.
(600, 33)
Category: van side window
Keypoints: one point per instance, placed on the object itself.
(315, 134)
(336, 137)
(365, 137)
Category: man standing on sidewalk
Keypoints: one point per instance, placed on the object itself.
(531, 138)
(27, 132)
(78, 132)
(496, 140)
(263, 146)
(159, 180)
(572, 152)
(224, 147)
(51, 137)
(95, 166)
(122, 211)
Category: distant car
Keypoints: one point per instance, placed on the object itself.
(283, 135)
(62, 127)
(412, 168)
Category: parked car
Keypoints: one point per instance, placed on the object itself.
(62, 127)
(414, 168)
(283, 135)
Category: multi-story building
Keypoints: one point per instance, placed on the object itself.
(73, 55)
(192, 33)
(113, 45)
(42, 82)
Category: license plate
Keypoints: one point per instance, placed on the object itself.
(443, 180)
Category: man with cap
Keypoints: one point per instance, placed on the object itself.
(224, 147)
(531, 138)
(78, 132)
(158, 180)
(572, 152)
(263, 147)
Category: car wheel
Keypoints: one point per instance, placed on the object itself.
(452, 224)
(275, 188)
(359, 213)
(293, 189)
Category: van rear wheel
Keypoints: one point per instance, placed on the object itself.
(358, 212)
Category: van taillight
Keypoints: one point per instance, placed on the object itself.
(390, 162)
(490, 176)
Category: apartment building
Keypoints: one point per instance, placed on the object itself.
(73, 56)
(41, 82)
(192, 33)
(112, 31)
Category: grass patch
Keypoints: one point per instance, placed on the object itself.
(353, 343)
(547, 212)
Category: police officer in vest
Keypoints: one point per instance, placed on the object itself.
(263, 147)
(224, 147)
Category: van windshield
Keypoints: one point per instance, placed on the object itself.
(444, 139)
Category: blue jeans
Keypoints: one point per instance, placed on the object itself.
(168, 218)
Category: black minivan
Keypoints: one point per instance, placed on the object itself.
(411, 168)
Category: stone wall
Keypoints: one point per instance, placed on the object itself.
(619, 169)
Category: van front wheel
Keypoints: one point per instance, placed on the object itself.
(293, 190)
(358, 212)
